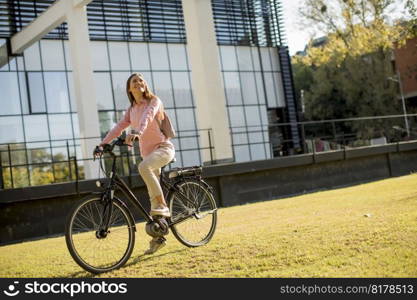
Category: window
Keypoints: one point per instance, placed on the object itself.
(11, 130)
(104, 94)
(36, 128)
(56, 92)
(186, 119)
(59, 151)
(177, 57)
(232, 85)
(76, 126)
(236, 116)
(173, 118)
(23, 92)
(119, 56)
(73, 101)
(244, 58)
(119, 90)
(279, 89)
(139, 56)
(264, 115)
(99, 56)
(190, 158)
(159, 56)
(182, 89)
(270, 91)
(240, 138)
(52, 55)
(106, 119)
(255, 59)
(273, 54)
(163, 88)
(33, 58)
(68, 64)
(36, 91)
(249, 88)
(39, 153)
(241, 153)
(252, 116)
(9, 97)
(256, 137)
(60, 126)
(266, 61)
(189, 143)
(257, 151)
(228, 58)
(260, 88)
(246, 93)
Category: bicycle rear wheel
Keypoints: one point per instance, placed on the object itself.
(194, 220)
(92, 248)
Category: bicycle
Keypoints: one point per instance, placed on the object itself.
(100, 230)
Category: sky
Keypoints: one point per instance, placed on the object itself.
(297, 38)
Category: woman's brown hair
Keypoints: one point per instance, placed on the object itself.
(147, 94)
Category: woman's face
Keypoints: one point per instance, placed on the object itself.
(137, 84)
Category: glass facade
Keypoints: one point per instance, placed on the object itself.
(244, 76)
(44, 109)
(38, 117)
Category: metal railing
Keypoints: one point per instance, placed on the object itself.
(28, 164)
(21, 165)
(328, 135)
(336, 134)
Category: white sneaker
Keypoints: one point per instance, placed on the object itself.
(160, 211)
(155, 244)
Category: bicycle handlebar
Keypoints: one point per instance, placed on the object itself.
(108, 148)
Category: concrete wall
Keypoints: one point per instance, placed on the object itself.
(42, 211)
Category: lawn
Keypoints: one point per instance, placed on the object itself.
(368, 230)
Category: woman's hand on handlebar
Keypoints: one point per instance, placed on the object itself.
(130, 138)
(98, 151)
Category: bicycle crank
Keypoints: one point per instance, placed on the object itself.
(158, 227)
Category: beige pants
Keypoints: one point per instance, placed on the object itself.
(150, 169)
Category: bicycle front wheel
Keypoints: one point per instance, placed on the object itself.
(195, 217)
(94, 247)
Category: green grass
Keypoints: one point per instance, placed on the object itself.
(322, 234)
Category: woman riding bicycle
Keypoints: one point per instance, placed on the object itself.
(145, 113)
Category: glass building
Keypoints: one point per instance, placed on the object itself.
(40, 140)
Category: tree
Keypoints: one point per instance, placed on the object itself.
(411, 7)
(347, 77)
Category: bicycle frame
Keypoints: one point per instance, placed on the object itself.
(116, 181)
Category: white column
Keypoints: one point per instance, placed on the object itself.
(80, 53)
(206, 77)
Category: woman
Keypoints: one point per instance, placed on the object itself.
(144, 116)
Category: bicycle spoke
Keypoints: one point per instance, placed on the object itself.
(97, 250)
(193, 224)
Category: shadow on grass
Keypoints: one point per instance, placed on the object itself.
(138, 258)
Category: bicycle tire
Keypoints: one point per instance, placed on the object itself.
(195, 191)
(81, 257)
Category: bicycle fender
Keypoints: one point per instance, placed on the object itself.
(181, 180)
(209, 187)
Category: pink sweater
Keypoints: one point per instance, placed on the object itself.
(141, 117)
